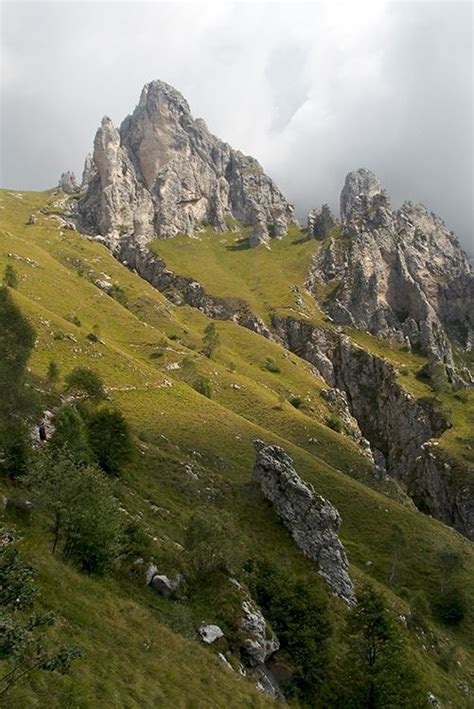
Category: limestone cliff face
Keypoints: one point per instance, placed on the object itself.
(163, 173)
(397, 273)
(397, 425)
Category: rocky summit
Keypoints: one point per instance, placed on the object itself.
(163, 173)
(396, 273)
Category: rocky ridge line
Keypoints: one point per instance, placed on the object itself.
(399, 274)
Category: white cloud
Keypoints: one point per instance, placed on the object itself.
(311, 89)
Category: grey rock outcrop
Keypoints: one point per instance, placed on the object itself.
(68, 183)
(163, 173)
(311, 519)
(260, 642)
(400, 274)
(359, 184)
(391, 419)
(321, 222)
(210, 633)
(88, 172)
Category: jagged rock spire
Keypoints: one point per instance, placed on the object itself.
(358, 183)
(163, 173)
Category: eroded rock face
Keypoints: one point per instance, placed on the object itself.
(321, 222)
(163, 173)
(88, 172)
(391, 419)
(400, 274)
(311, 519)
(261, 642)
(68, 183)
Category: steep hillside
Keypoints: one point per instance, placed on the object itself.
(196, 453)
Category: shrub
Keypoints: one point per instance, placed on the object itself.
(53, 371)
(296, 401)
(451, 607)
(117, 293)
(110, 439)
(270, 365)
(298, 613)
(374, 671)
(203, 385)
(72, 318)
(211, 544)
(10, 277)
(210, 339)
(335, 422)
(17, 339)
(85, 382)
(70, 435)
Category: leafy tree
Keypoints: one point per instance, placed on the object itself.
(439, 378)
(53, 371)
(203, 385)
(10, 277)
(87, 524)
(450, 607)
(210, 340)
(211, 543)
(298, 613)
(374, 672)
(23, 643)
(70, 435)
(17, 339)
(450, 563)
(85, 382)
(110, 439)
(397, 545)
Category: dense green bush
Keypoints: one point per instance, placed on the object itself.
(270, 365)
(53, 371)
(87, 524)
(211, 543)
(335, 422)
(210, 340)
(10, 277)
(110, 439)
(451, 607)
(70, 435)
(374, 671)
(82, 381)
(203, 385)
(298, 613)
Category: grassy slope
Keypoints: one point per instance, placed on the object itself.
(177, 425)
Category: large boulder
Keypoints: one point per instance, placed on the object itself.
(312, 521)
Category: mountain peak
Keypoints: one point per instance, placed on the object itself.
(166, 174)
(358, 183)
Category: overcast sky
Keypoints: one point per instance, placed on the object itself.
(312, 90)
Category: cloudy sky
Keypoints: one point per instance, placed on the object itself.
(312, 90)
